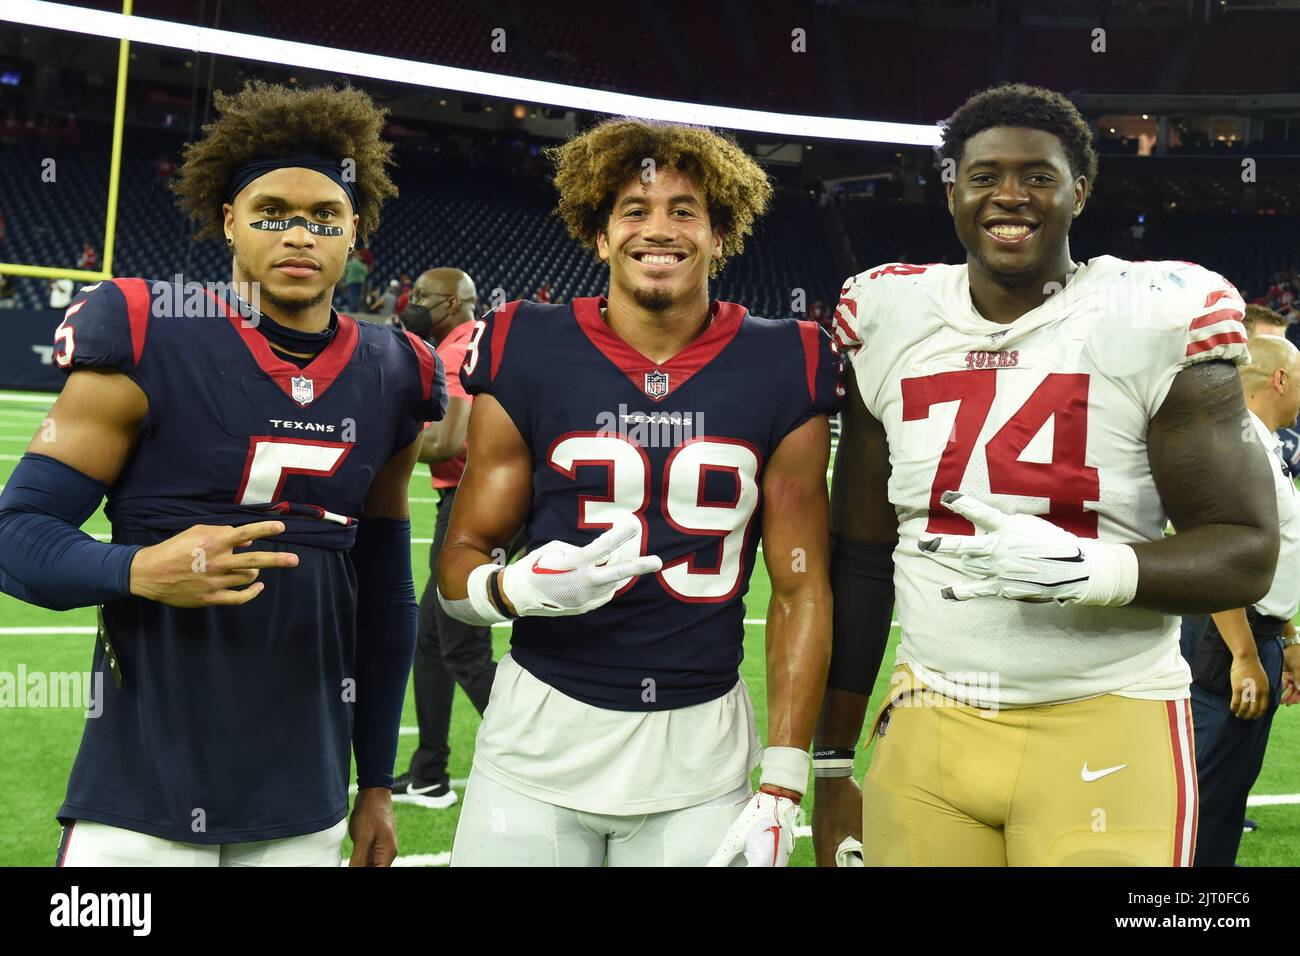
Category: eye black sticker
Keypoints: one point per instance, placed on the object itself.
(282, 225)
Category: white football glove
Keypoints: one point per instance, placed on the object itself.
(764, 832)
(1024, 558)
(560, 579)
(849, 853)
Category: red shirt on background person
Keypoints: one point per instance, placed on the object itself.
(451, 350)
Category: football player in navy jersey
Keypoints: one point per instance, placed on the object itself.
(258, 614)
(645, 442)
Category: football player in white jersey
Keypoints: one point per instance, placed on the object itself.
(1016, 432)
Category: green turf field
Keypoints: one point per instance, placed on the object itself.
(37, 745)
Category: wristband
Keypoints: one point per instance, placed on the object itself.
(495, 596)
(833, 762)
(477, 608)
(1114, 574)
(785, 767)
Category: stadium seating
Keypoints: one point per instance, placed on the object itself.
(476, 213)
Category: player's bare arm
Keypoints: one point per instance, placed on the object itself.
(443, 441)
(493, 499)
(864, 525)
(93, 428)
(795, 538)
(372, 827)
(1218, 497)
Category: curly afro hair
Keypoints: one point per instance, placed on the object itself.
(265, 120)
(591, 168)
(1030, 107)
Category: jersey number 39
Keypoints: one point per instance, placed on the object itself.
(681, 501)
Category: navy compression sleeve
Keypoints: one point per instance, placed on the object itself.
(387, 625)
(45, 557)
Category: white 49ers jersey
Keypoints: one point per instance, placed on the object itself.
(1046, 416)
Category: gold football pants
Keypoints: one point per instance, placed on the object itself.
(1107, 781)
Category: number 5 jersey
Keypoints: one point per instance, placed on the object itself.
(233, 724)
(1046, 415)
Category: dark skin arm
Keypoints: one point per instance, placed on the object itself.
(1217, 492)
(860, 511)
(444, 440)
(795, 549)
(493, 499)
(372, 827)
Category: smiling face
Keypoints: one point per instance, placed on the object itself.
(659, 242)
(1013, 201)
(295, 269)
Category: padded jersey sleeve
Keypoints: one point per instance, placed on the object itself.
(105, 327)
(495, 365)
(428, 390)
(1191, 315)
(818, 377)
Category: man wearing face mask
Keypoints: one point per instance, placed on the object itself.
(449, 652)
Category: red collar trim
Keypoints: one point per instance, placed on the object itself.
(323, 369)
(679, 369)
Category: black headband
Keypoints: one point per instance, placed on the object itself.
(333, 168)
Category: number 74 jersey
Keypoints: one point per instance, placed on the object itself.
(1047, 416)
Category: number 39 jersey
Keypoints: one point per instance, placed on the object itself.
(1047, 416)
(681, 445)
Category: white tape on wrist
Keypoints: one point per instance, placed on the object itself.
(1114, 574)
(787, 768)
(477, 586)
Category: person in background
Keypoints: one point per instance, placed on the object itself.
(60, 293)
(89, 259)
(543, 294)
(820, 315)
(1248, 659)
(388, 301)
(448, 652)
(354, 278)
(8, 292)
(1263, 321)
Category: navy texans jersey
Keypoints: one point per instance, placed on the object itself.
(1290, 438)
(232, 724)
(681, 445)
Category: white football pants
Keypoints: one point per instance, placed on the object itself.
(87, 843)
(502, 827)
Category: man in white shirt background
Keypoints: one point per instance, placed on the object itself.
(1248, 660)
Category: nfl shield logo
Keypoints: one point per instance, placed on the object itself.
(656, 384)
(303, 389)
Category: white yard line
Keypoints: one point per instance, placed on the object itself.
(1272, 799)
(424, 859)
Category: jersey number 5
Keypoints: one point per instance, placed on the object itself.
(1066, 481)
(271, 459)
(681, 501)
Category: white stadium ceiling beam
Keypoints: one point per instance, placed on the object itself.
(247, 46)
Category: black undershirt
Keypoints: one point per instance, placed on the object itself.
(284, 339)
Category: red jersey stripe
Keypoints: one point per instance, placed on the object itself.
(136, 293)
(1223, 338)
(1213, 318)
(500, 329)
(808, 333)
